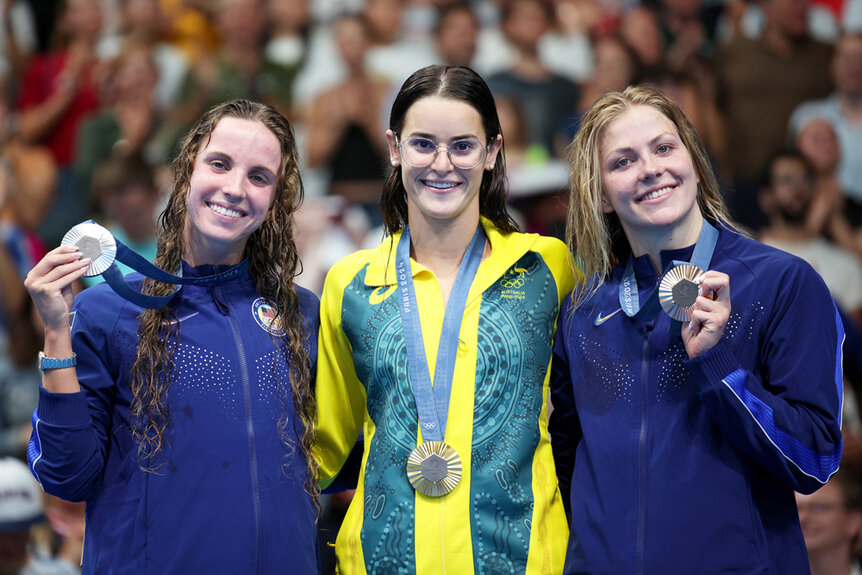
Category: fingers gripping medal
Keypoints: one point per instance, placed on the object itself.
(677, 291)
(104, 251)
(94, 242)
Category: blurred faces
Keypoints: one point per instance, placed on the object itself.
(649, 180)
(457, 35)
(441, 193)
(232, 186)
(640, 30)
(526, 23)
(847, 65)
(791, 188)
(788, 17)
(82, 19)
(819, 144)
(827, 525)
(614, 67)
(241, 23)
(352, 40)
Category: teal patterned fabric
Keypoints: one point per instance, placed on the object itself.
(516, 317)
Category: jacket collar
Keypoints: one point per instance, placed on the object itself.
(506, 250)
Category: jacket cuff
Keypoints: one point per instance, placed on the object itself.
(712, 366)
(67, 409)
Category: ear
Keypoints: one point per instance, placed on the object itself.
(392, 143)
(606, 205)
(493, 151)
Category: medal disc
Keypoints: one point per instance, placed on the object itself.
(94, 242)
(677, 291)
(434, 468)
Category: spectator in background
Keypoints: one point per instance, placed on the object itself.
(27, 179)
(59, 90)
(143, 22)
(343, 127)
(787, 200)
(843, 110)
(17, 37)
(239, 68)
(832, 214)
(129, 118)
(456, 34)
(760, 83)
(20, 509)
(393, 54)
(545, 98)
(289, 27)
(639, 29)
(126, 196)
(831, 520)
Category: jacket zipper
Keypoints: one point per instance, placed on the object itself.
(642, 466)
(252, 449)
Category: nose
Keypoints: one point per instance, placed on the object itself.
(234, 185)
(441, 161)
(650, 167)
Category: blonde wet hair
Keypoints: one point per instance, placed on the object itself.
(596, 238)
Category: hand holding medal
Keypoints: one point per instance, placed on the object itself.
(708, 314)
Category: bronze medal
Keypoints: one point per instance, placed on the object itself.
(434, 468)
(677, 291)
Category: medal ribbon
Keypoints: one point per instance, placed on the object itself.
(432, 402)
(628, 292)
(114, 277)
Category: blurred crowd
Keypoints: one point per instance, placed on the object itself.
(96, 94)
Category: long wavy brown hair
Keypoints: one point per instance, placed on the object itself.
(597, 239)
(273, 263)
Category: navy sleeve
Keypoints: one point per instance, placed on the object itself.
(786, 414)
(564, 425)
(69, 445)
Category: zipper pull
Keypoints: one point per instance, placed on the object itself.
(218, 299)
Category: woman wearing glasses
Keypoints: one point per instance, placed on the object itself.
(436, 345)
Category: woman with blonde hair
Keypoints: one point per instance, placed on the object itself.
(187, 429)
(685, 415)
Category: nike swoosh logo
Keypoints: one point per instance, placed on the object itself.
(380, 294)
(600, 320)
(179, 319)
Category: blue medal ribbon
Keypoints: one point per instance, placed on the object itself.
(432, 402)
(114, 277)
(628, 292)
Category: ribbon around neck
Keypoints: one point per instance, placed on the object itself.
(432, 402)
(628, 291)
(105, 250)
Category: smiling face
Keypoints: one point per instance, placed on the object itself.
(649, 180)
(231, 189)
(441, 193)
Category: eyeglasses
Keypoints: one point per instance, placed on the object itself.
(420, 152)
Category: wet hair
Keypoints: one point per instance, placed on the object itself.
(273, 264)
(597, 239)
(464, 85)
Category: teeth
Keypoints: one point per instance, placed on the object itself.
(225, 211)
(441, 185)
(656, 194)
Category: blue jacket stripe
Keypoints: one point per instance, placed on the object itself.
(808, 461)
(34, 446)
(839, 374)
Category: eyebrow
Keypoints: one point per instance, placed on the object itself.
(652, 142)
(428, 136)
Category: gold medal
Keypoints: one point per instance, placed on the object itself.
(94, 242)
(434, 468)
(677, 291)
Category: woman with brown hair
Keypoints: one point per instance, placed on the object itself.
(187, 429)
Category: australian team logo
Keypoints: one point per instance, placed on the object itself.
(266, 317)
(512, 282)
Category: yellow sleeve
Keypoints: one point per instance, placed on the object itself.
(340, 396)
(562, 264)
